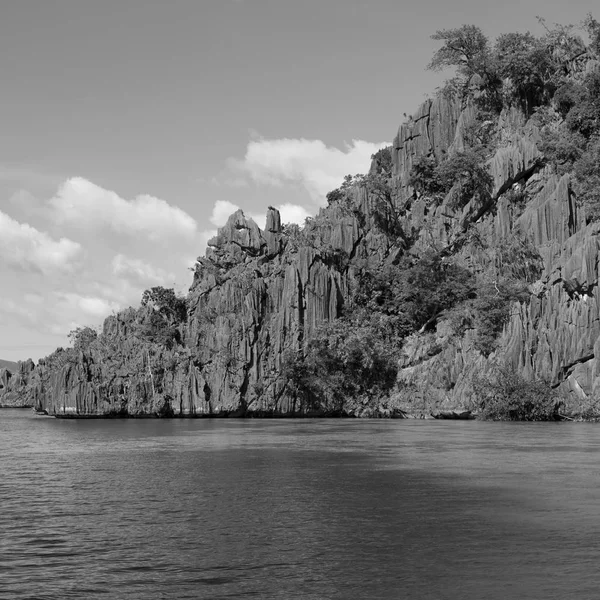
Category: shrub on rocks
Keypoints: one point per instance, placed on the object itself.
(505, 395)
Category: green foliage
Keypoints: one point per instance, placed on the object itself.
(423, 177)
(586, 183)
(344, 359)
(583, 102)
(355, 356)
(562, 43)
(518, 68)
(515, 263)
(463, 173)
(573, 145)
(512, 265)
(465, 48)
(382, 162)
(161, 325)
(526, 61)
(82, 337)
(505, 395)
(342, 196)
(568, 96)
(383, 209)
(157, 329)
(592, 27)
(415, 292)
(480, 135)
(491, 310)
(561, 148)
(516, 258)
(166, 303)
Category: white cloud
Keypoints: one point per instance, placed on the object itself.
(107, 233)
(84, 204)
(221, 211)
(293, 213)
(290, 213)
(91, 306)
(25, 247)
(309, 163)
(138, 271)
(112, 256)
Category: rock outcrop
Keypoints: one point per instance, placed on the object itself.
(14, 385)
(258, 296)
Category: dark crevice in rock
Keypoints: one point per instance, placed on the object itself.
(568, 369)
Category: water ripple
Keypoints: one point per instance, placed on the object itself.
(297, 509)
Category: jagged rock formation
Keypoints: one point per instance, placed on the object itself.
(14, 385)
(258, 296)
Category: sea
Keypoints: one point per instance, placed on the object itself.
(308, 509)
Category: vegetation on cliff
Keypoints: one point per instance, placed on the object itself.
(539, 78)
(458, 272)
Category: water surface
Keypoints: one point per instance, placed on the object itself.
(311, 509)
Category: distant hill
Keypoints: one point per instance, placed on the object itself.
(8, 364)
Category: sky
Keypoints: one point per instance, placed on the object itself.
(131, 129)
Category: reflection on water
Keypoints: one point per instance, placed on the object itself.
(346, 509)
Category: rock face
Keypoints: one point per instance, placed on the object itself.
(14, 388)
(258, 295)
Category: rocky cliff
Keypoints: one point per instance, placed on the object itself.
(259, 296)
(14, 384)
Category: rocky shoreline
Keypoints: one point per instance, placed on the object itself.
(396, 414)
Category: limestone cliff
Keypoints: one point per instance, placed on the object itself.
(259, 296)
(14, 384)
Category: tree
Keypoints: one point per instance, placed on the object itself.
(415, 292)
(382, 161)
(385, 212)
(344, 359)
(586, 183)
(526, 61)
(464, 172)
(423, 176)
(465, 48)
(505, 395)
(82, 337)
(166, 302)
(378, 186)
(592, 26)
(567, 96)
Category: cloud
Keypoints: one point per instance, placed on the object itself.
(139, 271)
(90, 306)
(316, 167)
(26, 248)
(290, 213)
(221, 211)
(114, 250)
(293, 213)
(86, 205)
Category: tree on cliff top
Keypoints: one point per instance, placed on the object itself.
(82, 337)
(592, 26)
(465, 47)
(166, 302)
